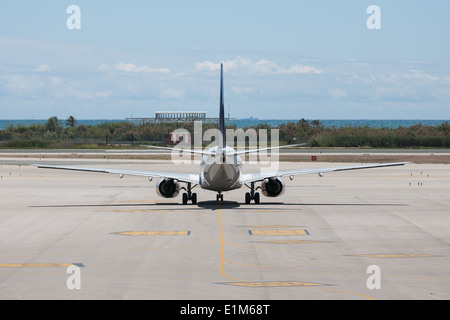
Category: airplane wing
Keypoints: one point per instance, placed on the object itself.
(254, 177)
(182, 177)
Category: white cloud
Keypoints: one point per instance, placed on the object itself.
(169, 93)
(207, 66)
(242, 90)
(395, 93)
(103, 67)
(20, 84)
(338, 93)
(102, 94)
(261, 66)
(300, 69)
(47, 87)
(60, 89)
(42, 68)
(131, 67)
(415, 74)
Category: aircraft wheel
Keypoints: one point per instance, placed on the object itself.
(247, 198)
(185, 198)
(256, 198)
(194, 198)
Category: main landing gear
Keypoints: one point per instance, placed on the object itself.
(252, 195)
(189, 196)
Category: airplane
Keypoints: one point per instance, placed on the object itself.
(221, 170)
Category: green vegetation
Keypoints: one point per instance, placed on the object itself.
(416, 136)
(70, 134)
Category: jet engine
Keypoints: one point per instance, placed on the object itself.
(272, 187)
(167, 188)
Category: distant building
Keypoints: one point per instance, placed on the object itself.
(177, 116)
(180, 115)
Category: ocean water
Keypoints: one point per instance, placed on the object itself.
(242, 123)
(391, 124)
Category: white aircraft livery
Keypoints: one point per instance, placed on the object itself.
(221, 170)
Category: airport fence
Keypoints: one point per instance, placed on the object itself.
(17, 141)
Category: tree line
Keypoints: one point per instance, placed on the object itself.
(416, 136)
(57, 133)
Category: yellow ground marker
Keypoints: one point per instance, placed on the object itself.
(154, 233)
(282, 232)
(393, 255)
(274, 284)
(271, 226)
(291, 241)
(136, 201)
(37, 265)
(139, 210)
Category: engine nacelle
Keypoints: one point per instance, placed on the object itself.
(273, 187)
(167, 188)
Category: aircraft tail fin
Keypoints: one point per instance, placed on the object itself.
(222, 137)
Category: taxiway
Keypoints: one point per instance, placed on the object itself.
(317, 241)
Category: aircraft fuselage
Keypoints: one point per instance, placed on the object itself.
(221, 172)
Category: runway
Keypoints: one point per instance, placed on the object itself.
(320, 240)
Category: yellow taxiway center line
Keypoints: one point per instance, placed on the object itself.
(222, 246)
(154, 233)
(34, 265)
(346, 292)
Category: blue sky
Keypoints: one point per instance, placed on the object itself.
(283, 59)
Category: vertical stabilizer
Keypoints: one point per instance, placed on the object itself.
(222, 138)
